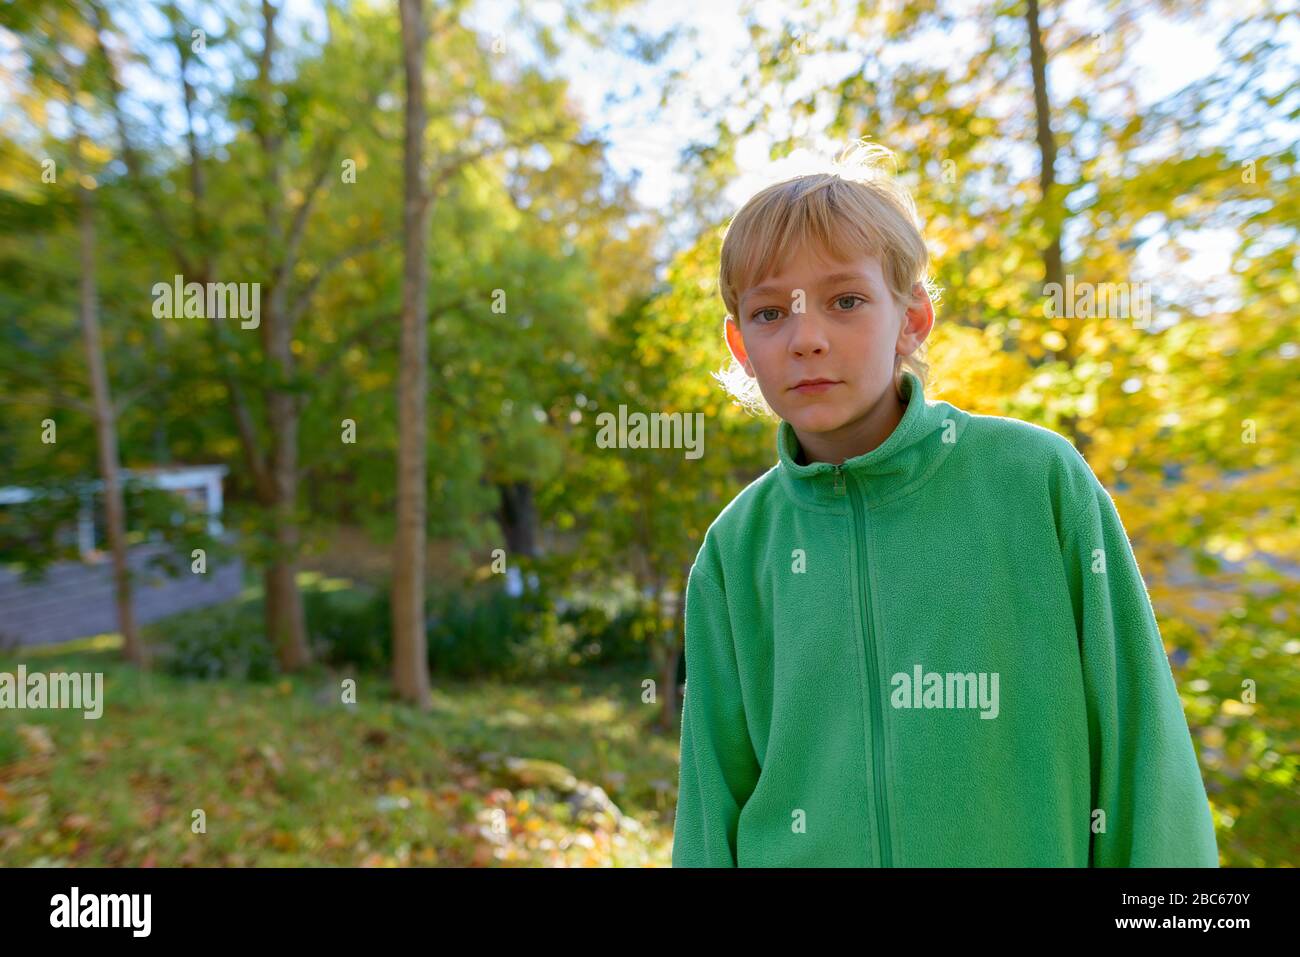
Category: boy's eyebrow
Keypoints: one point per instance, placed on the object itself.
(825, 280)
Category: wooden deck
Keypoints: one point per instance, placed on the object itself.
(75, 599)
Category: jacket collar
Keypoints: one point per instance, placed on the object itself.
(898, 465)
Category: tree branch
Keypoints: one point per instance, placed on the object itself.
(303, 297)
(56, 399)
(129, 154)
(445, 171)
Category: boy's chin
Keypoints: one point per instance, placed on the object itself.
(816, 418)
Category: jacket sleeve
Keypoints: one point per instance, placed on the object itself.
(718, 767)
(1144, 771)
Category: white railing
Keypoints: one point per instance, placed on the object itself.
(202, 479)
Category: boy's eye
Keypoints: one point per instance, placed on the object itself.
(850, 298)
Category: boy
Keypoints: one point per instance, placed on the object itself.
(921, 639)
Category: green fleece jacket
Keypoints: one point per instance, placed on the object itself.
(940, 653)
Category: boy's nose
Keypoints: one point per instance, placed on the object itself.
(808, 336)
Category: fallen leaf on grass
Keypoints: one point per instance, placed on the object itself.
(77, 822)
(36, 738)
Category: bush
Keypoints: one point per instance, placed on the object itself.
(604, 640)
(344, 627)
(350, 627)
(221, 641)
(472, 632)
(484, 630)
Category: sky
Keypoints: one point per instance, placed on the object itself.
(620, 96)
(645, 137)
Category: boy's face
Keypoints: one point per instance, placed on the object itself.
(850, 331)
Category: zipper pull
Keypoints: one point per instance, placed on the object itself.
(839, 481)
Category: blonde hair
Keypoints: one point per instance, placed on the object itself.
(853, 206)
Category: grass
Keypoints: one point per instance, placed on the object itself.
(285, 774)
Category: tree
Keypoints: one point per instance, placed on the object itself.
(63, 67)
(105, 416)
(284, 143)
(410, 663)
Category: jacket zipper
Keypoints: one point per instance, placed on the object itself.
(873, 670)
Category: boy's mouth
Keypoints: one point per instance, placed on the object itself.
(810, 386)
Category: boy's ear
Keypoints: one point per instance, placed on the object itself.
(918, 320)
(731, 331)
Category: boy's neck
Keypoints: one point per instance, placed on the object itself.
(856, 437)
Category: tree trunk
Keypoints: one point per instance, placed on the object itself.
(518, 517)
(105, 424)
(285, 621)
(1053, 213)
(668, 716)
(675, 643)
(410, 659)
(1053, 268)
